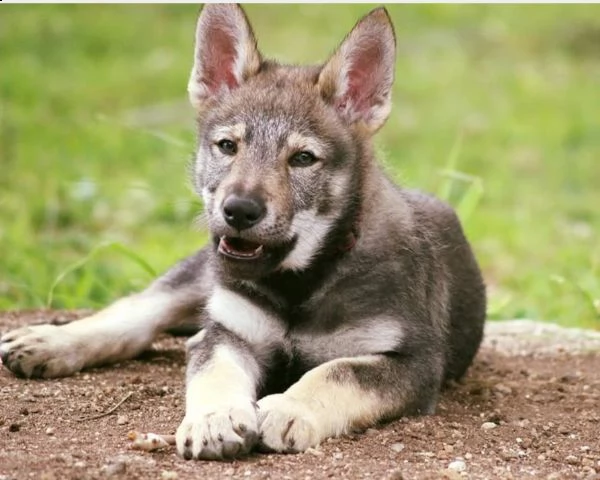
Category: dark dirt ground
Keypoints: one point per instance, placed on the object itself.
(526, 415)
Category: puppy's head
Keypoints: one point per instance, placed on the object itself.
(280, 147)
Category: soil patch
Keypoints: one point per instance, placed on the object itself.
(529, 408)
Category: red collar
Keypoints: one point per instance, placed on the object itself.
(350, 241)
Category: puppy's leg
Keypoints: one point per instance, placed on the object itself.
(345, 394)
(118, 332)
(226, 365)
(222, 378)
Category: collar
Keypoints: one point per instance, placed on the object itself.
(351, 238)
(349, 243)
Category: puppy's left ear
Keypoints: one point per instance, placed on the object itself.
(357, 79)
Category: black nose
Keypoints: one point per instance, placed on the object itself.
(243, 212)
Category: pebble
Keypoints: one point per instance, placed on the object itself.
(397, 447)
(503, 389)
(169, 475)
(314, 451)
(117, 467)
(396, 475)
(50, 431)
(488, 425)
(457, 466)
(572, 460)
(122, 420)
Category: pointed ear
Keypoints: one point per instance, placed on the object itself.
(358, 78)
(225, 54)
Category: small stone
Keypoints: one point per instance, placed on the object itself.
(572, 460)
(507, 455)
(396, 475)
(503, 389)
(314, 451)
(488, 425)
(338, 455)
(24, 411)
(122, 420)
(112, 469)
(47, 476)
(50, 431)
(569, 378)
(397, 447)
(14, 427)
(169, 475)
(457, 466)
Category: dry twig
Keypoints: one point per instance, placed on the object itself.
(108, 412)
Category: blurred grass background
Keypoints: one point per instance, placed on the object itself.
(496, 108)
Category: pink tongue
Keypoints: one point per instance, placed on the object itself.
(237, 245)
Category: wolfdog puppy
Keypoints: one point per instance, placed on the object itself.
(328, 298)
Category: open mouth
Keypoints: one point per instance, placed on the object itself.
(239, 248)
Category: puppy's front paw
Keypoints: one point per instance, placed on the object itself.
(40, 351)
(287, 425)
(223, 433)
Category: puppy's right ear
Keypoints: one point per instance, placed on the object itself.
(225, 54)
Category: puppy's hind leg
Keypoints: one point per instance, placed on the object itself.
(119, 332)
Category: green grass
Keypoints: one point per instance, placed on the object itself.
(495, 108)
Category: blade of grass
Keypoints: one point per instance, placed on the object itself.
(576, 287)
(471, 197)
(445, 190)
(115, 246)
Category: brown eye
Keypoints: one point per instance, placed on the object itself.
(302, 159)
(227, 147)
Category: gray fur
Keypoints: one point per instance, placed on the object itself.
(375, 294)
